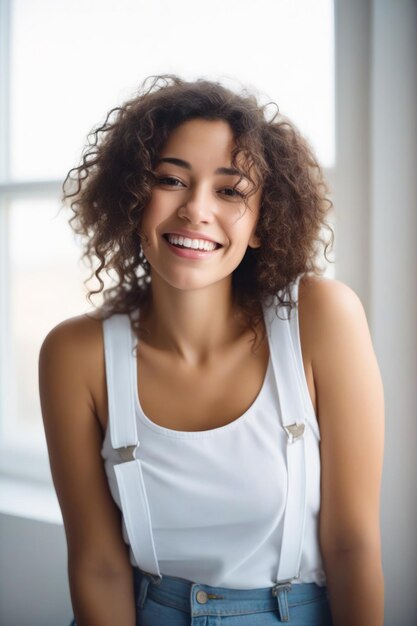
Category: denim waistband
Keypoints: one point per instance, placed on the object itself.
(199, 599)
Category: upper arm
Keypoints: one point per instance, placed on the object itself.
(69, 353)
(350, 406)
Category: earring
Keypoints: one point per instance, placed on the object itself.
(143, 239)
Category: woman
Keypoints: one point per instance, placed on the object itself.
(215, 429)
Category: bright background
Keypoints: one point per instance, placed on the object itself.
(345, 72)
(69, 64)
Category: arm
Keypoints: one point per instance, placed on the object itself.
(350, 407)
(100, 575)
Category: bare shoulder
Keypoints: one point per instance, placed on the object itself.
(75, 343)
(72, 354)
(327, 306)
(82, 332)
(321, 293)
(335, 330)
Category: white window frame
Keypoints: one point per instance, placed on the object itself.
(14, 461)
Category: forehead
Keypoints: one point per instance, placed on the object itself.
(210, 140)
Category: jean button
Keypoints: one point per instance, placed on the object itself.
(201, 597)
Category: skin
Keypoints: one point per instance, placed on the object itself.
(193, 325)
(196, 333)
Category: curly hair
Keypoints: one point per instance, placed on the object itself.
(111, 187)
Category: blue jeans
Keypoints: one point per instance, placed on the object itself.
(180, 602)
(175, 601)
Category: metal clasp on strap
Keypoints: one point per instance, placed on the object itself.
(127, 453)
(280, 592)
(284, 583)
(155, 578)
(294, 431)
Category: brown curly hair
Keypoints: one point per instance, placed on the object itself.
(111, 187)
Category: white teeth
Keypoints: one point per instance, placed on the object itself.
(195, 244)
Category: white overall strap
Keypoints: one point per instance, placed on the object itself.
(293, 421)
(121, 390)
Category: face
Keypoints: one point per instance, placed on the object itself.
(196, 227)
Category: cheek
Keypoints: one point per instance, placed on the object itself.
(159, 208)
(247, 227)
(150, 217)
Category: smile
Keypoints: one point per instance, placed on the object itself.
(192, 244)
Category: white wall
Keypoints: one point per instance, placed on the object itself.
(34, 588)
(393, 282)
(376, 248)
(351, 184)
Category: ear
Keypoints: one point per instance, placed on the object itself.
(254, 241)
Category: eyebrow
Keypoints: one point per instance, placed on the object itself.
(228, 171)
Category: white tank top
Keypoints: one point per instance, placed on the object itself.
(209, 506)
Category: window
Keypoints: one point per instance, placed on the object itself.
(63, 66)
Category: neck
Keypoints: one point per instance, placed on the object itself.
(194, 324)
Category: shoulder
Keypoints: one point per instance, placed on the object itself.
(332, 321)
(327, 305)
(81, 333)
(74, 348)
(342, 355)
(325, 294)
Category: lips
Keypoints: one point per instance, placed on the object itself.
(191, 243)
(190, 252)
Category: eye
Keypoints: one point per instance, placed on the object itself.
(234, 192)
(170, 181)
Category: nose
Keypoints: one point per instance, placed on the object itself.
(198, 207)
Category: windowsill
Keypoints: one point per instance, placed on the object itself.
(29, 500)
